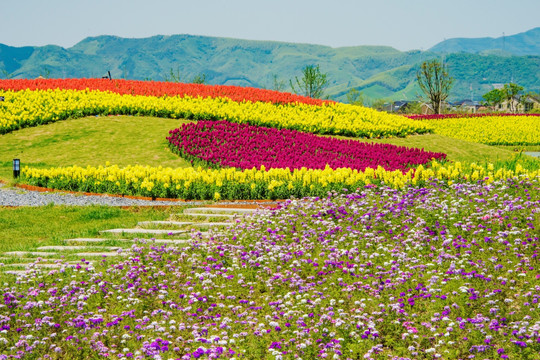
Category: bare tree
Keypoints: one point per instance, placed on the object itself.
(278, 85)
(312, 83)
(435, 83)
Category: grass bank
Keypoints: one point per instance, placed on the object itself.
(131, 140)
(122, 140)
(27, 228)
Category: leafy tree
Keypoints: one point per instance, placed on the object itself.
(511, 92)
(355, 97)
(379, 104)
(312, 83)
(435, 82)
(494, 97)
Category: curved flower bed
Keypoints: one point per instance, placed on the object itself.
(256, 184)
(492, 130)
(160, 89)
(443, 272)
(245, 146)
(34, 107)
(462, 116)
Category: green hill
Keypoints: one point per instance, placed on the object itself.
(378, 71)
(526, 43)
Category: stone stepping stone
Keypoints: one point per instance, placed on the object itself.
(91, 240)
(97, 240)
(16, 272)
(219, 210)
(44, 265)
(167, 241)
(174, 223)
(71, 247)
(210, 224)
(144, 231)
(209, 215)
(111, 253)
(33, 253)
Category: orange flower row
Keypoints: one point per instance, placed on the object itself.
(160, 89)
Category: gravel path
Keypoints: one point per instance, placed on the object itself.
(20, 197)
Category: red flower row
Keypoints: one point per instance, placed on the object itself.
(245, 146)
(457, 116)
(159, 89)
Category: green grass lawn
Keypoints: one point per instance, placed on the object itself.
(457, 150)
(520, 148)
(121, 140)
(26, 228)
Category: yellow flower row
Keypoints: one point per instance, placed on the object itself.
(492, 130)
(198, 183)
(29, 108)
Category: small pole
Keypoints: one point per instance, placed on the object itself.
(16, 168)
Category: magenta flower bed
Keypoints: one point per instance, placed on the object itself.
(245, 146)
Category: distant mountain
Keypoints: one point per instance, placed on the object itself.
(526, 43)
(377, 71)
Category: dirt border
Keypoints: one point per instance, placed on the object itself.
(220, 204)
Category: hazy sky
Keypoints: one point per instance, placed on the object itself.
(403, 24)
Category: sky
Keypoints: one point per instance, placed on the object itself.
(402, 24)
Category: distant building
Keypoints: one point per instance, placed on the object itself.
(465, 106)
(520, 104)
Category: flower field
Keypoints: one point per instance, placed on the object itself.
(491, 129)
(30, 107)
(464, 116)
(160, 89)
(435, 272)
(381, 252)
(221, 143)
(275, 183)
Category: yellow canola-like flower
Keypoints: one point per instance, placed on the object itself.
(492, 130)
(192, 183)
(30, 108)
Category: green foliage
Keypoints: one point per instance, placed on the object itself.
(175, 76)
(435, 82)
(311, 84)
(355, 97)
(511, 91)
(494, 97)
(199, 79)
(379, 104)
